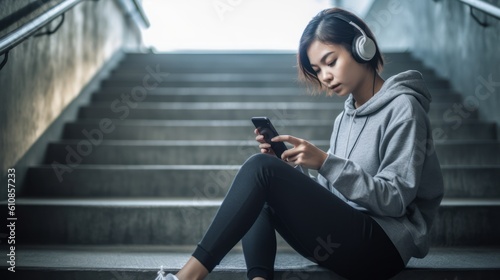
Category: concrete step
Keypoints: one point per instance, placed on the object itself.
(289, 69)
(206, 181)
(471, 181)
(216, 152)
(243, 63)
(207, 77)
(132, 68)
(242, 129)
(210, 92)
(464, 222)
(142, 263)
(236, 110)
(264, 64)
(438, 94)
(195, 130)
(174, 181)
(441, 84)
(245, 69)
(247, 94)
(236, 59)
(239, 57)
(479, 153)
(166, 83)
(193, 78)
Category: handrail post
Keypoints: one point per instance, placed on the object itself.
(483, 6)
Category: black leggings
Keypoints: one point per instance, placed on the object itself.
(268, 194)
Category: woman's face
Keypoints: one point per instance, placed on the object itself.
(335, 68)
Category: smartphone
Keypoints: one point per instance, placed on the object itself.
(266, 128)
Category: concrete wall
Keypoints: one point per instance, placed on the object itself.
(44, 74)
(445, 37)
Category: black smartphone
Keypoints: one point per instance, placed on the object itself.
(266, 128)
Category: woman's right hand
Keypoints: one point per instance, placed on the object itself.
(265, 148)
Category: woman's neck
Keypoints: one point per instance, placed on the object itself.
(368, 90)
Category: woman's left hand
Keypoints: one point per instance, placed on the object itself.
(303, 153)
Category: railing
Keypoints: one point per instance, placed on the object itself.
(134, 10)
(17, 36)
(22, 33)
(482, 6)
(138, 8)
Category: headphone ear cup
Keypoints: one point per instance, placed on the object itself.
(355, 51)
(363, 49)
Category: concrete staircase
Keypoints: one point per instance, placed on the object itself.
(143, 169)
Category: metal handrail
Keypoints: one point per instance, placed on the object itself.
(485, 7)
(22, 33)
(139, 9)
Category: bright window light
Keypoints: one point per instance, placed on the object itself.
(228, 24)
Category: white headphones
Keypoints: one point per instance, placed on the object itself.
(363, 47)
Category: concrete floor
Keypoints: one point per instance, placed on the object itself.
(150, 258)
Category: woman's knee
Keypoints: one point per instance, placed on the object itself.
(261, 161)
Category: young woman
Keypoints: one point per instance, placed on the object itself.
(372, 205)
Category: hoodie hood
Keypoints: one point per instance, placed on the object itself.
(409, 82)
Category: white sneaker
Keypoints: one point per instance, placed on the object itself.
(171, 277)
(162, 275)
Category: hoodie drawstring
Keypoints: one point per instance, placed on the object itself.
(349, 134)
(346, 154)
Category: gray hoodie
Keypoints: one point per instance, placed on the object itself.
(382, 160)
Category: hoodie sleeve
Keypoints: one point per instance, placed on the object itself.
(402, 152)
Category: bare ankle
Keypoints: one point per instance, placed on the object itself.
(192, 270)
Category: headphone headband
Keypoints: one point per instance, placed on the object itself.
(363, 47)
(358, 28)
